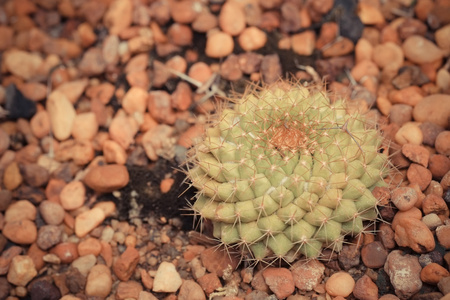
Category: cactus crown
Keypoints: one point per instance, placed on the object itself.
(285, 172)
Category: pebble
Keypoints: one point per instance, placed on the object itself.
(409, 95)
(108, 178)
(303, 43)
(232, 18)
(160, 107)
(167, 279)
(85, 126)
(271, 68)
(6, 257)
(364, 68)
(73, 89)
(184, 12)
(386, 234)
(88, 220)
(84, 264)
(5, 199)
(92, 62)
(35, 175)
(413, 233)
(21, 270)
(89, 246)
(404, 198)
(349, 256)
(12, 178)
(389, 55)
(420, 175)
(419, 50)
(404, 273)
(62, 115)
(122, 130)
(40, 124)
(66, 251)
(280, 281)
(209, 283)
(114, 153)
(155, 139)
(414, 213)
(119, 16)
(182, 96)
(217, 260)
(125, 265)
(443, 236)
(365, 289)
(435, 204)
(191, 290)
(128, 290)
(252, 38)
(20, 232)
(20, 210)
(307, 274)
(416, 153)
(374, 255)
(49, 236)
(370, 14)
(73, 195)
(218, 44)
(435, 109)
(230, 69)
(442, 143)
(99, 281)
(33, 91)
(444, 286)
(340, 284)
(433, 273)
(439, 165)
(22, 64)
(180, 35)
(441, 36)
(432, 221)
(204, 22)
(44, 290)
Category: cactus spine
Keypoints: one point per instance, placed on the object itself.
(285, 172)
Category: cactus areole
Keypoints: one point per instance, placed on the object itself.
(285, 172)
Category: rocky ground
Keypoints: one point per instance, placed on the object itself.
(100, 101)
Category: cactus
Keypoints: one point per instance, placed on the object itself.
(285, 172)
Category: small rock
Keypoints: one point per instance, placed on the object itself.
(180, 35)
(420, 175)
(404, 273)
(400, 114)
(73, 195)
(22, 64)
(191, 290)
(118, 16)
(167, 279)
(184, 12)
(250, 62)
(413, 233)
(125, 265)
(17, 105)
(160, 107)
(156, 139)
(219, 44)
(230, 69)
(67, 252)
(370, 14)
(232, 18)
(365, 289)
(49, 236)
(99, 281)
(340, 284)
(217, 260)
(434, 108)
(5, 199)
(271, 68)
(420, 50)
(35, 175)
(404, 198)
(85, 126)
(280, 281)
(432, 221)
(20, 210)
(204, 22)
(7, 256)
(340, 47)
(20, 232)
(128, 290)
(88, 220)
(44, 290)
(200, 71)
(416, 153)
(182, 96)
(21, 270)
(252, 38)
(75, 281)
(349, 256)
(389, 55)
(62, 115)
(114, 153)
(84, 263)
(122, 130)
(73, 89)
(209, 283)
(40, 124)
(12, 178)
(374, 255)
(442, 143)
(303, 43)
(435, 204)
(410, 95)
(386, 235)
(92, 62)
(443, 236)
(441, 36)
(433, 273)
(444, 285)
(364, 68)
(108, 178)
(307, 275)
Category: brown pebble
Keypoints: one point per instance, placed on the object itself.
(433, 273)
(66, 251)
(340, 284)
(20, 232)
(252, 38)
(443, 236)
(439, 165)
(413, 233)
(374, 255)
(386, 235)
(420, 175)
(232, 18)
(404, 198)
(435, 204)
(205, 21)
(442, 143)
(303, 43)
(365, 289)
(105, 179)
(400, 114)
(409, 95)
(179, 34)
(280, 281)
(200, 71)
(88, 220)
(209, 283)
(416, 153)
(340, 47)
(125, 265)
(420, 50)
(404, 273)
(183, 12)
(118, 16)
(219, 44)
(51, 212)
(435, 109)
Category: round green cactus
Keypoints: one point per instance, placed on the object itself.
(286, 172)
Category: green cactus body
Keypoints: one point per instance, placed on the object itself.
(285, 171)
